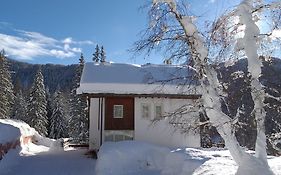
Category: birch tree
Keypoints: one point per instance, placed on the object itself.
(173, 29)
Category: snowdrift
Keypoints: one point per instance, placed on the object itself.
(13, 133)
(17, 134)
(8, 133)
(138, 158)
(24, 131)
(132, 157)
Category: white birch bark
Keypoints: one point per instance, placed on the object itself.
(250, 40)
(211, 88)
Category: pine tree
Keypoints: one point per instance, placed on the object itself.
(37, 113)
(20, 107)
(49, 108)
(96, 55)
(81, 59)
(78, 122)
(102, 55)
(6, 88)
(17, 86)
(58, 118)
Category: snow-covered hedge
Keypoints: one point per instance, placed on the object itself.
(16, 133)
(8, 133)
(9, 137)
(23, 131)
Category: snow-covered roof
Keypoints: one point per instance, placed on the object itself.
(135, 79)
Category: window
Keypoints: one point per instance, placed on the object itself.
(145, 111)
(116, 136)
(118, 111)
(119, 138)
(158, 111)
(109, 138)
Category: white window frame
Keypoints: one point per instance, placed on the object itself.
(157, 116)
(145, 115)
(115, 108)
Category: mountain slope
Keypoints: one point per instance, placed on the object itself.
(54, 75)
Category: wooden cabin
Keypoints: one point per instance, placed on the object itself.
(132, 102)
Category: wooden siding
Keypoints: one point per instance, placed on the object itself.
(125, 123)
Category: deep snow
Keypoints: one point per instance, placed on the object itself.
(40, 160)
(135, 79)
(123, 158)
(46, 157)
(138, 158)
(11, 130)
(8, 133)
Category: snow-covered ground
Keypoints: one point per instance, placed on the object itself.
(40, 160)
(45, 157)
(122, 158)
(137, 158)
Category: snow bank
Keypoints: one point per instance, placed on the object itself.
(54, 145)
(11, 130)
(133, 157)
(138, 158)
(128, 157)
(10, 160)
(24, 128)
(8, 133)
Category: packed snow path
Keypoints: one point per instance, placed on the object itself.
(39, 160)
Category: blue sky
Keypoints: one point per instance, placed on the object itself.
(57, 31)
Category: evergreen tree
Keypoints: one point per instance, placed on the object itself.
(58, 118)
(49, 109)
(20, 107)
(6, 88)
(78, 122)
(96, 55)
(37, 113)
(102, 55)
(17, 86)
(81, 60)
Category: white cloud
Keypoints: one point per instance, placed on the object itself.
(28, 45)
(67, 40)
(61, 53)
(77, 50)
(212, 1)
(87, 42)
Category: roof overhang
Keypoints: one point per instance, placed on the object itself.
(172, 96)
(149, 89)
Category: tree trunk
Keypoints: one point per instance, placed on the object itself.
(250, 40)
